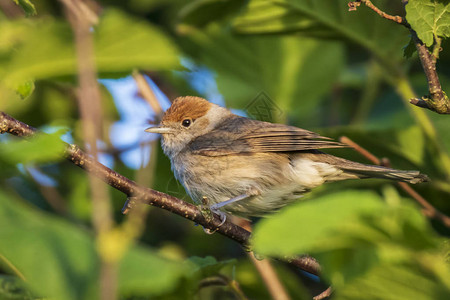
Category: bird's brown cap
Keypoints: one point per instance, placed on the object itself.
(186, 107)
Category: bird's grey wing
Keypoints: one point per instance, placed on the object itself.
(241, 135)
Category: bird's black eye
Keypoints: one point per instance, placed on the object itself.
(186, 122)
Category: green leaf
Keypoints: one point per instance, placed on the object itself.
(412, 144)
(25, 89)
(13, 288)
(40, 148)
(59, 261)
(394, 282)
(429, 18)
(208, 266)
(200, 12)
(140, 45)
(325, 19)
(352, 234)
(56, 258)
(143, 272)
(312, 225)
(27, 7)
(278, 73)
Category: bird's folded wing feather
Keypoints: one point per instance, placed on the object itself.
(242, 135)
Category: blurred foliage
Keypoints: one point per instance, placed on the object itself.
(311, 64)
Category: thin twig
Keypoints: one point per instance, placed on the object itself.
(81, 19)
(354, 4)
(151, 197)
(221, 280)
(429, 210)
(266, 270)
(134, 224)
(325, 294)
(147, 93)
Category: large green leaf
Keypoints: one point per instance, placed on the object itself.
(353, 234)
(284, 72)
(201, 12)
(393, 282)
(58, 260)
(313, 224)
(326, 18)
(429, 18)
(121, 44)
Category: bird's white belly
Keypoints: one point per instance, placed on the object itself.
(222, 178)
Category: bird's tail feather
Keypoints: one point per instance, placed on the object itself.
(358, 170)
(367, 171)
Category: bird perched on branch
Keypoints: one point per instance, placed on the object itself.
(248, 167)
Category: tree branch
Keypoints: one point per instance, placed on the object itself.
(151, 197)
(437, 100)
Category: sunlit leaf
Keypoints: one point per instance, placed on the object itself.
(390, 281)
(25, 89)
(412, 144)
(429, 18)
(311, 225)
(27, 6)
(121, 45)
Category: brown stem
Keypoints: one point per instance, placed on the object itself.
(429, 210)
(147, 93)
(151, 197)
(266, 270)
(437, 100)
(81, 19)
(354, 4)
(325, 294)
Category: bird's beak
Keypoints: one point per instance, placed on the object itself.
(159, 129)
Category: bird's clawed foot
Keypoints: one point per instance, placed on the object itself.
(207, 211)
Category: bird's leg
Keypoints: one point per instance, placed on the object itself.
(215, 208)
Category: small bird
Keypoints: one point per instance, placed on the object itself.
(247, 167)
